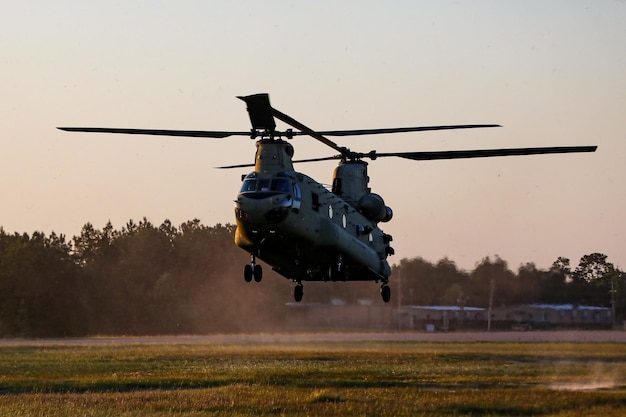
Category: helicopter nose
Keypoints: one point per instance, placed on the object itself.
(272, 209)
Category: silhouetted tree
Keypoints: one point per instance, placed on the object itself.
(41, 293)
(424, 283)
(491, 279)
(592, 277)
(556, 287)
(528, 285)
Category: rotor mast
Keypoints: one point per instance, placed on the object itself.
(272, 153)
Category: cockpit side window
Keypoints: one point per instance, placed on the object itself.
(296, 191)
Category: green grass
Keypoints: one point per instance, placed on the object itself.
(315, 378)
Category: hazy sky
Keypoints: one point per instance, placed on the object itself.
(552, 73)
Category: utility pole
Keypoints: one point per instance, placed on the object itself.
(461, 301)
(616, 274)
(399, 297)
(492, 287)
(613, 301)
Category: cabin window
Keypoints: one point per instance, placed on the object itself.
(315, 201)
(336, 186)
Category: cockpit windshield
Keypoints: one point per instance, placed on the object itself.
(274, 185)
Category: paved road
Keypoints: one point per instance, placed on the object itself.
(286, 338)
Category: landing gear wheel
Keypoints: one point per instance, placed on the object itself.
(385, 292)
(257, 271)
(247, 272)
(298, 293)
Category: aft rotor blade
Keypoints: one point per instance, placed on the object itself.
(324, 158)
(157, 132)
(485, 153)
(399, 130)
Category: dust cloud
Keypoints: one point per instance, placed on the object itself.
(601, 376)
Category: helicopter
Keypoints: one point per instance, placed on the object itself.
(302, 229)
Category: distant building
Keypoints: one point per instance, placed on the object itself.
(552, 315)
(338, 315)
(375, 315)
(442, 318)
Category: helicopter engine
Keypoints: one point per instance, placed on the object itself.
(350, 183)
(373, 207)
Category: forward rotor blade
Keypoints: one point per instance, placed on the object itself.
(236, 166)
(260, 111)
(294, 123)
(485, 153)
(157, 132)
(399, 130)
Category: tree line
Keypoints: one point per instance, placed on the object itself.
(142, 279)
(145, 279)
(594, 281)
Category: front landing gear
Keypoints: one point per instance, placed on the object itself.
(252, 270)
(298, 292)
(385, 292)
(338, 272)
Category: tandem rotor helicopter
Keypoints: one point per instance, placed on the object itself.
(303, 230)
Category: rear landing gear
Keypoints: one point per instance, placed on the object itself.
(257, 272)
(252, 270)
(385, 292)
(298, 292)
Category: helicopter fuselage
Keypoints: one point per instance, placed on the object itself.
(303, 230)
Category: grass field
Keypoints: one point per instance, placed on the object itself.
(314, 378)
